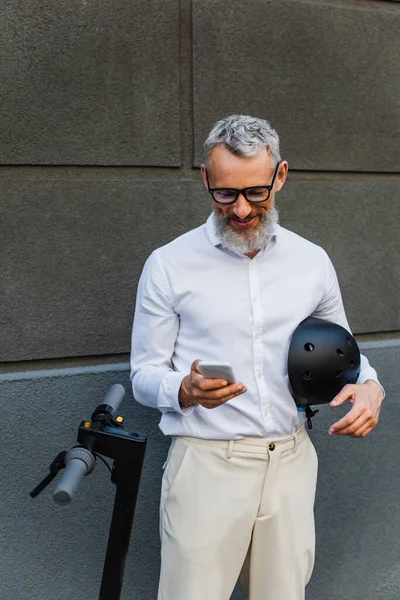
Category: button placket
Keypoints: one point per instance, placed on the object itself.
(258, 322)
(257, 316)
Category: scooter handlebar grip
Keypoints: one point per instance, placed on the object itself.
(114, 396)
(79, 462)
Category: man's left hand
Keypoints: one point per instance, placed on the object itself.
(361, 419)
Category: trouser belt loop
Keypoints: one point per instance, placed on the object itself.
(295, 444)
(230, 449)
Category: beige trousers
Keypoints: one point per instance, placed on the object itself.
(231, 508)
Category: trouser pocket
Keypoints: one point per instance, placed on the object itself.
(172, 469)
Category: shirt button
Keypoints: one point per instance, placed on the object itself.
(265, 411)
(259, 375)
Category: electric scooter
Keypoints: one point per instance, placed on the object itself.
(104, 435)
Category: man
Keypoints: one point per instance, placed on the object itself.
(239, 483)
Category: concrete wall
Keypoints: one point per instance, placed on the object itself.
(103, 111)
(58, 553)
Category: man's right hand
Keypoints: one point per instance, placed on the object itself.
(210, 393)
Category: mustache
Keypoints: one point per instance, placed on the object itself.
(245, 220)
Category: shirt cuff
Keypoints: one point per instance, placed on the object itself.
(168, 394)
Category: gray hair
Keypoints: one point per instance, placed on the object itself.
(244, 136)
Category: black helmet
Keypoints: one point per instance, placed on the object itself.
(323, 358)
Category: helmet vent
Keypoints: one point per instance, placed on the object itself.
(339, 373)
(348, 341)
(339, 351)
(352, 363)
(307, 375)
(309, 347)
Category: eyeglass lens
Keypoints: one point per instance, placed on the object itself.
(251, 194)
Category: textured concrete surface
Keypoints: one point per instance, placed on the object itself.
(325, 73)
(72, 252)
(90, 83)
(106, 86)
(355, 220)
(57, 553)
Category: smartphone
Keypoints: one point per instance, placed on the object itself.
(217, 370)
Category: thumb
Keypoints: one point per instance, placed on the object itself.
(345, 394)
(195, 366)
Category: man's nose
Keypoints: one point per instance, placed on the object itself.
(241, 208)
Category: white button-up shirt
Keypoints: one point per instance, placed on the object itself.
(197, 299)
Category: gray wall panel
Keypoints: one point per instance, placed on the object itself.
(356, 221)
(326, 74)
(90, 83)
(54, 553)
(72, 252)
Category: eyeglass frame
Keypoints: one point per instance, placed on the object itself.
(243, 191)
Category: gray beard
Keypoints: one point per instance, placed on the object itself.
(243, 241)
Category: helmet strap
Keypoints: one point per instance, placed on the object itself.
(309, 415)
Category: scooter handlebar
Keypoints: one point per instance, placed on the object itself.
(79, 462)
(114, 396)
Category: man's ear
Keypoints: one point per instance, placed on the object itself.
(282, 174)
(203, 174)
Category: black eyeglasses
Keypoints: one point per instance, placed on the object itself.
(256, 193)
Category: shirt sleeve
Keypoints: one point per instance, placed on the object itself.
(155, 328)
(331, 308)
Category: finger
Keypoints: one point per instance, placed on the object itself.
(347, 392)
(213, 399)
(195, 366)
(222, 394)
(211, 383)
(361, 430)
(365, 429)
(350, 423)
(215, 403)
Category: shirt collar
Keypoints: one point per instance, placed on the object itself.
(212, 235)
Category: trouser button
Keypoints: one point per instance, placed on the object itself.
(271, 446)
